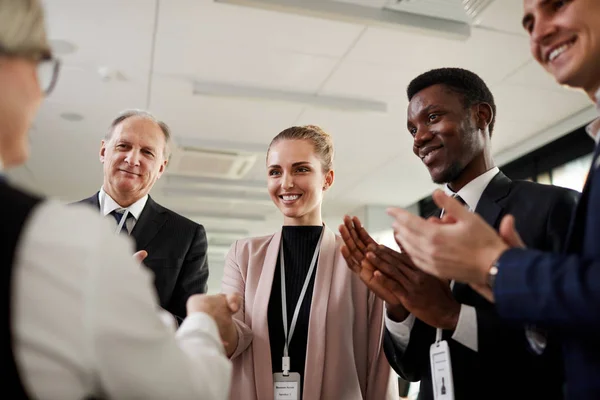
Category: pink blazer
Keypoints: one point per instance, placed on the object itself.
(344, 359)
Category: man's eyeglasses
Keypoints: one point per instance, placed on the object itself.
(47, 72)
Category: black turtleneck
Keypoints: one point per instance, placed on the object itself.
(299, 243)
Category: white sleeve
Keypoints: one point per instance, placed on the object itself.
(400, 331)
(134, 353)
(465, 332)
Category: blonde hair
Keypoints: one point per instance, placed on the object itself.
(321, 141)
(22, 29)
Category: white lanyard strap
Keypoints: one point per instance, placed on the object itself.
(122, 222)
(311, 269)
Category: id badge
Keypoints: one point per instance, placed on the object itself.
(286, 387)
(441, 371)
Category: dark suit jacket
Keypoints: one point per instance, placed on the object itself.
(562, 291)
(176, 250)
(504, 367)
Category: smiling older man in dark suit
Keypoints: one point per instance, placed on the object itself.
(134, 155)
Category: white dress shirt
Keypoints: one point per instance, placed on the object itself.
(86, 321)
(108, 205)
(466, 327)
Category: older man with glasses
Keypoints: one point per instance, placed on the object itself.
(79, 316)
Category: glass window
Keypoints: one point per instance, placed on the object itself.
(573, 174)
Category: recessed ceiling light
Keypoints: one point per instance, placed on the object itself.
(71, 116)
(62, 47)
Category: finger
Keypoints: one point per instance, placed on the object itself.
(354, 251)
(391, 269)
(451, 206)
(509, 233)
(352, 263)
(234, 301)
(367, 276)
(363, 235)
(401, 261)
(140, 256)
(396, 291)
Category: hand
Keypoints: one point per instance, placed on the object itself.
(426, 297)
(356, 238)
(356, 244)
(140, 256)
(509, 233)
(462, 248)
(221, 307)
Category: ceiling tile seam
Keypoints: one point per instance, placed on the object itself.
(341, 59)
(152, 54)
(515, 71)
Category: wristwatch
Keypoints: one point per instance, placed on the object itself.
(492, 272)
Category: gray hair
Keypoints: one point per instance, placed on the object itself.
(22, 29)
(145, 115)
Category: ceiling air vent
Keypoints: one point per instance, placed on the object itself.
(213, 163)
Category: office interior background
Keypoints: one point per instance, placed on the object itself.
(228, 75)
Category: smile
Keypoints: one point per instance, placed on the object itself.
(290, 198)
(430, 154)
(129, 172)
(557, 51)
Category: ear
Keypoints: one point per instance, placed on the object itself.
(162, 168)
(102, 151)
(484, 115)
(328, 179)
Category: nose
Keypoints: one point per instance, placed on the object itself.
(133, 158)
(288, 181)
(542, 31)
(422, 136)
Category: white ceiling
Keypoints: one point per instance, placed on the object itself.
(154, 50)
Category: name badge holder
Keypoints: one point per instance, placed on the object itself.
(286, 384)
(441, 369)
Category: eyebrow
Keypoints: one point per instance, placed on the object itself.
(529, 16)
(296, 164)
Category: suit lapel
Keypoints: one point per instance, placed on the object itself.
(488, 206)
(261, 346)
(317, 325)
(150, 222)
(490, 210)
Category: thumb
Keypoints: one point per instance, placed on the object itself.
(140, 256)
(509, 233)
(234, 301)
(451, 206)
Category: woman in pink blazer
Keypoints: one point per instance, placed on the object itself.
(334, 324)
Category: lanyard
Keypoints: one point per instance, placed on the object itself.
(288, 338)
(123, 219)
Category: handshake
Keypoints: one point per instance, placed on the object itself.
(221, 307)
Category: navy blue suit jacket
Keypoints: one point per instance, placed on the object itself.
(562, 292)
(176, 249)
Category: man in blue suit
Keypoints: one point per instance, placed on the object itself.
(560, 292)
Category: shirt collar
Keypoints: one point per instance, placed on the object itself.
(472, 191)
(108, 205)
